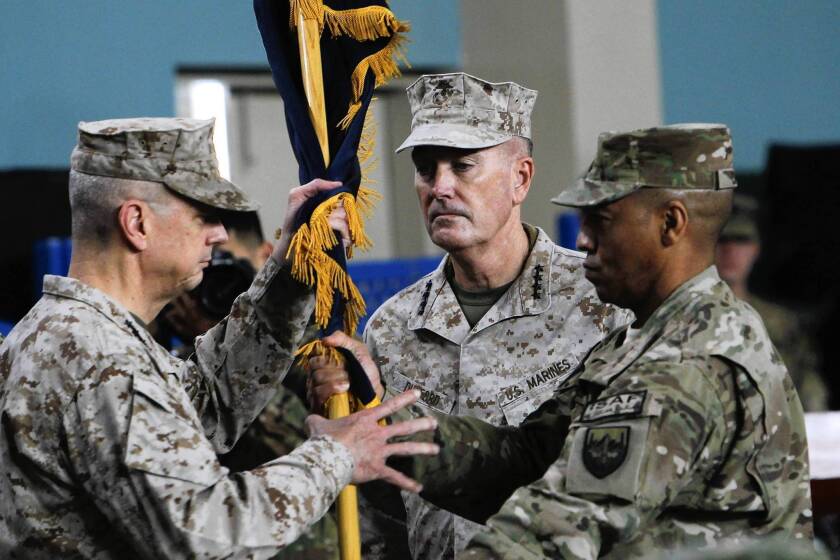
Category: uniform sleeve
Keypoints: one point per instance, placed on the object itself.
(476, 456)
(239, 364)
(627, 458)
(142, 457)
(382, 515)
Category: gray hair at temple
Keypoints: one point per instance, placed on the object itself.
(95, 201)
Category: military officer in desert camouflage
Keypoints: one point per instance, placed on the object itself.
(508, 314)
(109, 444)
(681, 430)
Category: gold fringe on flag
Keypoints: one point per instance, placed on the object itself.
(363, 24)
(311, 265)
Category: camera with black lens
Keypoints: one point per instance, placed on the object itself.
(224, 279)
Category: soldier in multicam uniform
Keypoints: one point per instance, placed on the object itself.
(737, 250)
(109, 444)
(682, 430)
(508, 314)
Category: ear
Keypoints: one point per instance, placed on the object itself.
(674, 223)
(265, 251)
(133, 219)
(523, 173)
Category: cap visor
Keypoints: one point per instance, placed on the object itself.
(452, 136)
(585, 193)
(216, 192)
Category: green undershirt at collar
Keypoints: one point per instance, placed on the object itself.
(475, 305)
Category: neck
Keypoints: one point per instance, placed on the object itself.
(740, 289)
(492, 264)
(674, 274)
(119, 275)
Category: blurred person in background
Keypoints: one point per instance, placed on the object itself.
(738, 249)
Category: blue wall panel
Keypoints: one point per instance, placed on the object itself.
(768, 68)
(62, 62)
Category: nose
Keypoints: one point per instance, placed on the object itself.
(584, 241)
(218, 235)
(443, 185)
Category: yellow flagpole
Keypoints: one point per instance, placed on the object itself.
(309, 43)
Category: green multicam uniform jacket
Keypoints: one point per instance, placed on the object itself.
(500, 371)
(109, 444)
(688, 434)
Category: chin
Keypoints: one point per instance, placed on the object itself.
(193, 282)
(450, 240)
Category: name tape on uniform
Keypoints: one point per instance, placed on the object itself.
(428, 397)
(519, 400)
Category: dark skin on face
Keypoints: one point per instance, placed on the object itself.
(640, 248)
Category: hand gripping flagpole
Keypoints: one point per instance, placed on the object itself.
(338, 406)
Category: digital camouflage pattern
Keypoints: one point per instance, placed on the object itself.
(109, 444)
(684, 156)
(278, 430)
(461, 111)
(174, 151)
(500, 371)
(715, 450)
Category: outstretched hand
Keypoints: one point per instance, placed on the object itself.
(368, 441)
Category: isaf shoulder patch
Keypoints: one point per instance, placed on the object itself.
(604, 449)
(624, 404)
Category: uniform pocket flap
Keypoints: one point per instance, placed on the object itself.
(164, 439)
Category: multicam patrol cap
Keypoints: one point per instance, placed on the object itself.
(176, 152)
(461, 111)
(742, 224)
(680, 156)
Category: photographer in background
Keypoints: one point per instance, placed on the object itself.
(231, 270)
(280, 426)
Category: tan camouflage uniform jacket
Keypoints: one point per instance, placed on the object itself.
(499, 371)
(689, 434)
(109, 444)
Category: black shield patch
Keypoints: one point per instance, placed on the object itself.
(605, 449)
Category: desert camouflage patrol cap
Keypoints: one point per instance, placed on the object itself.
(680, 156)
(176, 152)
(461, 111)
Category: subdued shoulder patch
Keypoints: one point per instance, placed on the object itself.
(623, 404)
(604, 449)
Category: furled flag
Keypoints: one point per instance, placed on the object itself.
(326, 58)
(360, 43)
